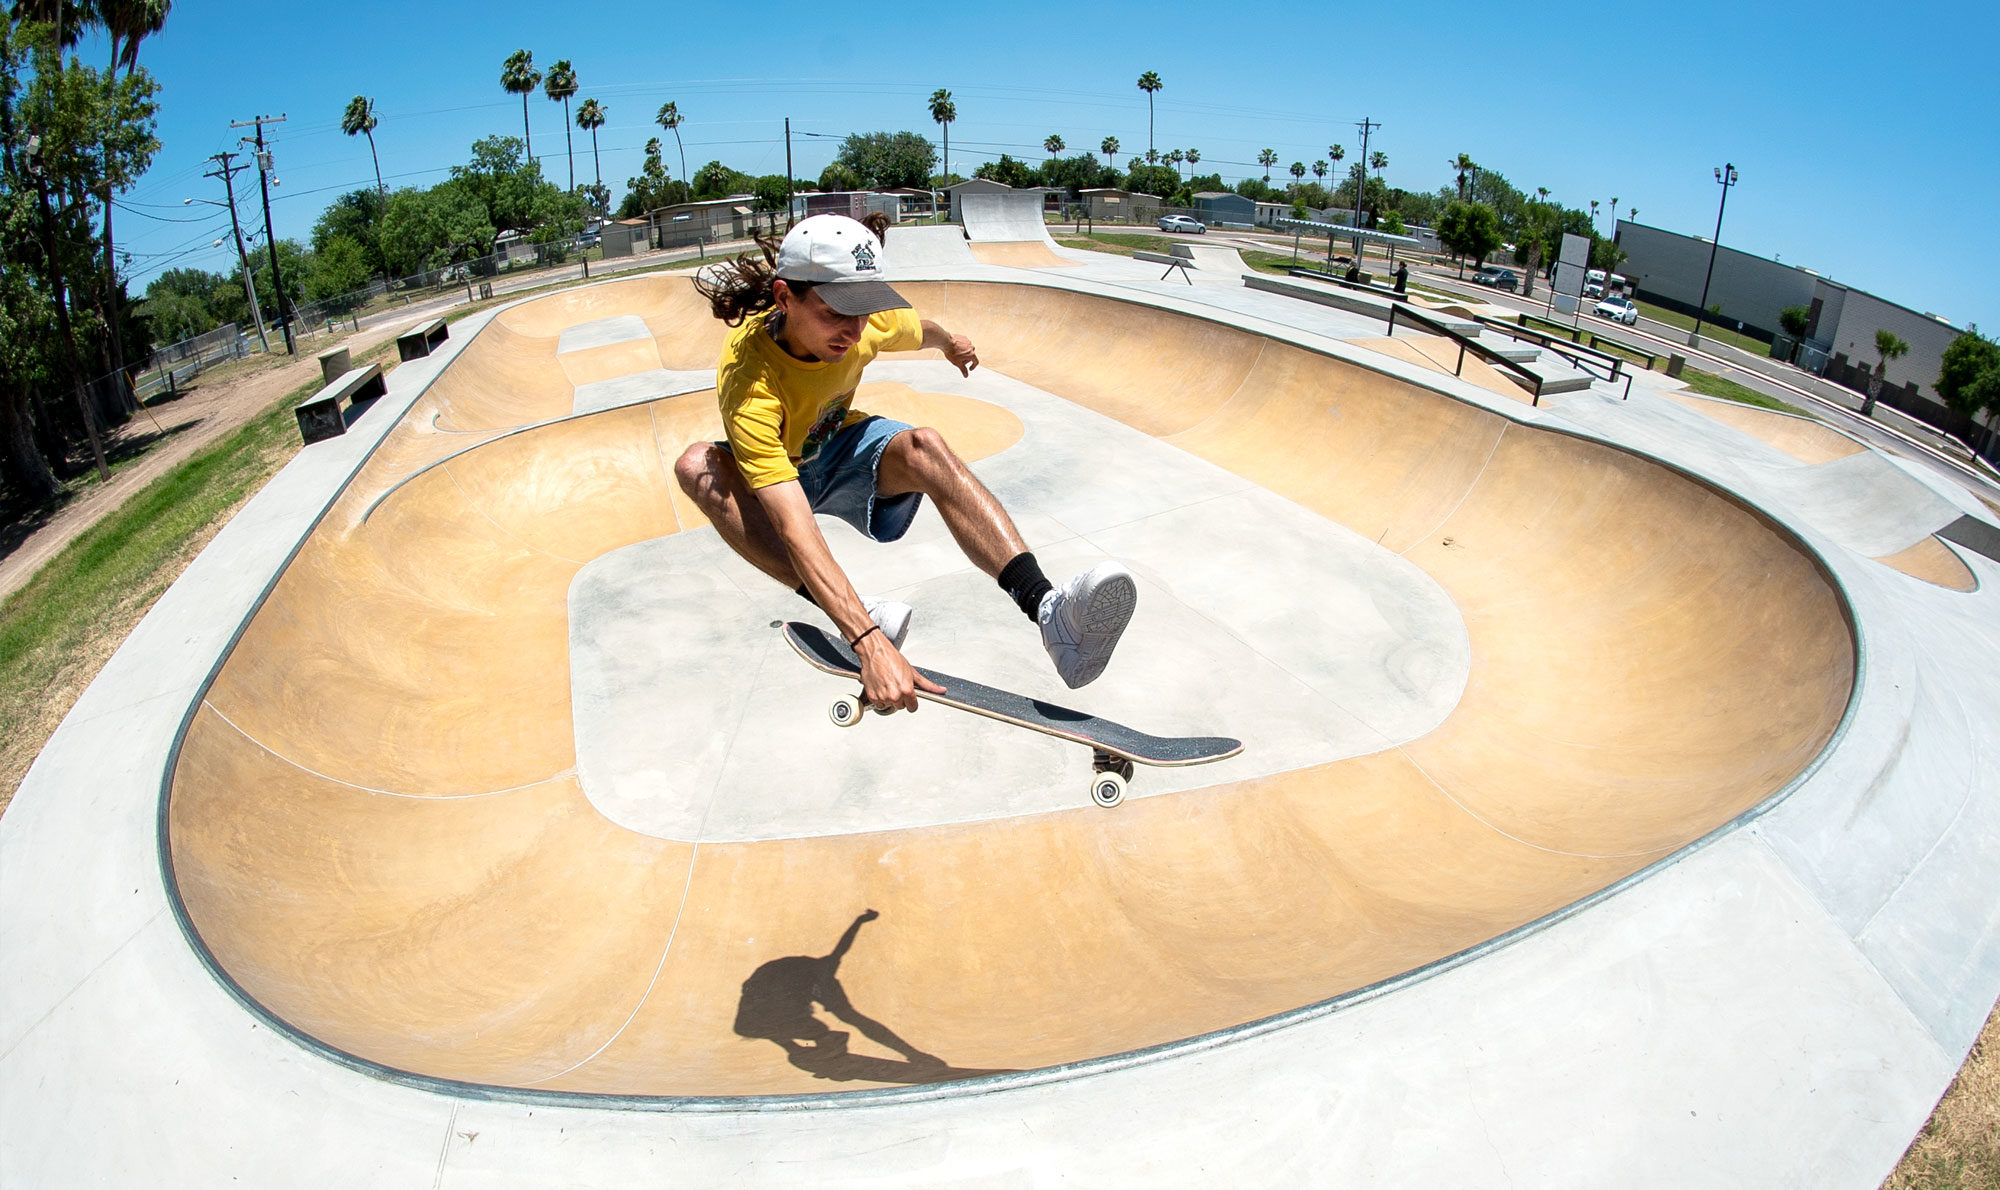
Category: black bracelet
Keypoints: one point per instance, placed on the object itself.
(856, 642)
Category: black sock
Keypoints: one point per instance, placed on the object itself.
(806, 595)
(1025, 583)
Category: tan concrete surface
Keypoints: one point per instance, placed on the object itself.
(1028, 255)
(1932, 561)
(1804, 439)
(376, 826)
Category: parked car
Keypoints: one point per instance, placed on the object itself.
(1185, 223)
(1617, 308)
(1498, 278)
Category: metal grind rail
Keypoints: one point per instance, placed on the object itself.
(1577, 354)
(1402, 311)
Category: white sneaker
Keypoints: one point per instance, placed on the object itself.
(891, 616)
(1082, 621)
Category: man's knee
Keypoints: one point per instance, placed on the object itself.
(926, 453)
(695, 470)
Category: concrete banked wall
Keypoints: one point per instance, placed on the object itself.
(377, 830)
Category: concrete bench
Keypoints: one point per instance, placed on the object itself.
(333, 364)
(420, 341)
(320, 415)
(1172, 263)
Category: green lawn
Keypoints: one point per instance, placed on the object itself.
(1708, 329)
(1711, 385)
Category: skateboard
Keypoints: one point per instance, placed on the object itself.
(1115, 747)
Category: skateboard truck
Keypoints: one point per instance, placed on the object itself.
(1110, 774)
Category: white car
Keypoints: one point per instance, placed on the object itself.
(1182, 223)
(1618, 309)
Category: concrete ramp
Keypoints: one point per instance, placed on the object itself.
(1226, 262)
(381, 816)
(1004, 218)
(914, 251)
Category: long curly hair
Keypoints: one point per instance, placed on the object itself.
(737, 289)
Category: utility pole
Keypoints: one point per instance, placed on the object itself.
(270, 240)
(225, 170)
(1366, 126)
(1726, 175)
(788, 173)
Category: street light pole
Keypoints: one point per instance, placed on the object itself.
(226, 171)
(1726, 175)
(270, 240)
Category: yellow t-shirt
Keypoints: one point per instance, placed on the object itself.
(778, 411)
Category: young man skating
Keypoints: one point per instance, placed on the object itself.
(808, 317)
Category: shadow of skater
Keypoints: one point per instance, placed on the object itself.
(777, 1005)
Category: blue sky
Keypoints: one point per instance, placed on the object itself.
(1856, 130)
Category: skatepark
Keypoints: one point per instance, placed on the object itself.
(1614, 803)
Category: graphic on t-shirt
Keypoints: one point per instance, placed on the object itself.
(825, 427)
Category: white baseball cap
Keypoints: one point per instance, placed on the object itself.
(843, 259)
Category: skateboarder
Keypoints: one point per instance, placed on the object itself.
(808, 317)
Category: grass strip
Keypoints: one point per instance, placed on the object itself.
(1709, 330)
(60, 628)
(1710, 385)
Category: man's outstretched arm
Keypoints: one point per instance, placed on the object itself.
(957, 348)
(886, 678)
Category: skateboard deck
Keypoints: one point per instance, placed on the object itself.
(1116, 746)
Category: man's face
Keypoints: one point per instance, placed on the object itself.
(813, 329)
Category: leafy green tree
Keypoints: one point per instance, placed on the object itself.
(1310, 194)
(340, 274)
(771, 190)
(356, 215)
(1793, 320)
(178, 303)
(359, 120)
(1076, 174)
(652, 189)
(1392, 222)
(1006, 171)
(836, 177)
(559, 86)
(1469, 229)
(943, 112)
(590, 117)
(1144, 178)
(716, 180)
(1150, 83)
(887, 160)
(426, 229)
(1969, 374)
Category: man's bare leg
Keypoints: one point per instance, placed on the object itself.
(708, 475)
(919, 461)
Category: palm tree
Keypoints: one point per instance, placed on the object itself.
(1109, 148)
(1053, 143)
(669, 117)
(1174, 158)
(1463, 164)
(1632, 213)
(590, 118)
(1267, 159)
(1193, 159)
(359, 120)
(1378, 161)
(1298, 169)
(1334, 154)
(1542, 192)
(518, 76)
(1319, 169)
(1889, 346)
(560, 86)
(943, 112)
(1614, 213)
(1152, 156)
(1149, 82)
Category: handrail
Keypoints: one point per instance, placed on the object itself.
(1650, 358)
(1572, 351)
(1337, 279)
(1403, 310)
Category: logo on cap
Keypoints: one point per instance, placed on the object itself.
(864, 257)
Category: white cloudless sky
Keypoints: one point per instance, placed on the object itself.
(1864, 135)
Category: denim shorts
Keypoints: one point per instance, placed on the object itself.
(839, 481)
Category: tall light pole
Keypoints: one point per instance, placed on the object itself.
(270, 240)
(225, 170)
(1726, 175)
